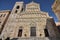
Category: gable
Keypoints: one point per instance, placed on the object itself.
(32, 7)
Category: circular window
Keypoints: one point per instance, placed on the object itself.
(40, 34)
(17, 7)
(25, 35)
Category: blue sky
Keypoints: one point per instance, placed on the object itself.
(45, 5)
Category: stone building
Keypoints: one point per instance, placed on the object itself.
(58, 26)
(56, 10)
(26, 21)
(3, 18)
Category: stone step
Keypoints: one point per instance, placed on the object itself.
(31, 38)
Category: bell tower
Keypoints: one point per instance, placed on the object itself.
(18, 7)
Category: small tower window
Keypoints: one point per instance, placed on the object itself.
(16, 11)
(17, 7)
(21, 9)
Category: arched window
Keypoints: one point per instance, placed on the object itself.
(16, 11)
(46, 33)
(20, 32)
(21, 9)
(17, 7)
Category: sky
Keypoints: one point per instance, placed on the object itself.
(45, 5)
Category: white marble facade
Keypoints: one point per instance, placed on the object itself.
(25, 19)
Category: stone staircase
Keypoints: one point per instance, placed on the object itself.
(32, 38)
(35, 38)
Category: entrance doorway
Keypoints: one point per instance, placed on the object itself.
(20, 33)
(46, 33)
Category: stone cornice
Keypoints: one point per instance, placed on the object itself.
(28, 20)
(2, 11)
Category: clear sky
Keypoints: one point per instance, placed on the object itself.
(45, 5)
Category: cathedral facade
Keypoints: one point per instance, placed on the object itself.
(27, 21)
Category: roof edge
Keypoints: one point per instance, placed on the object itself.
(5, 10)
